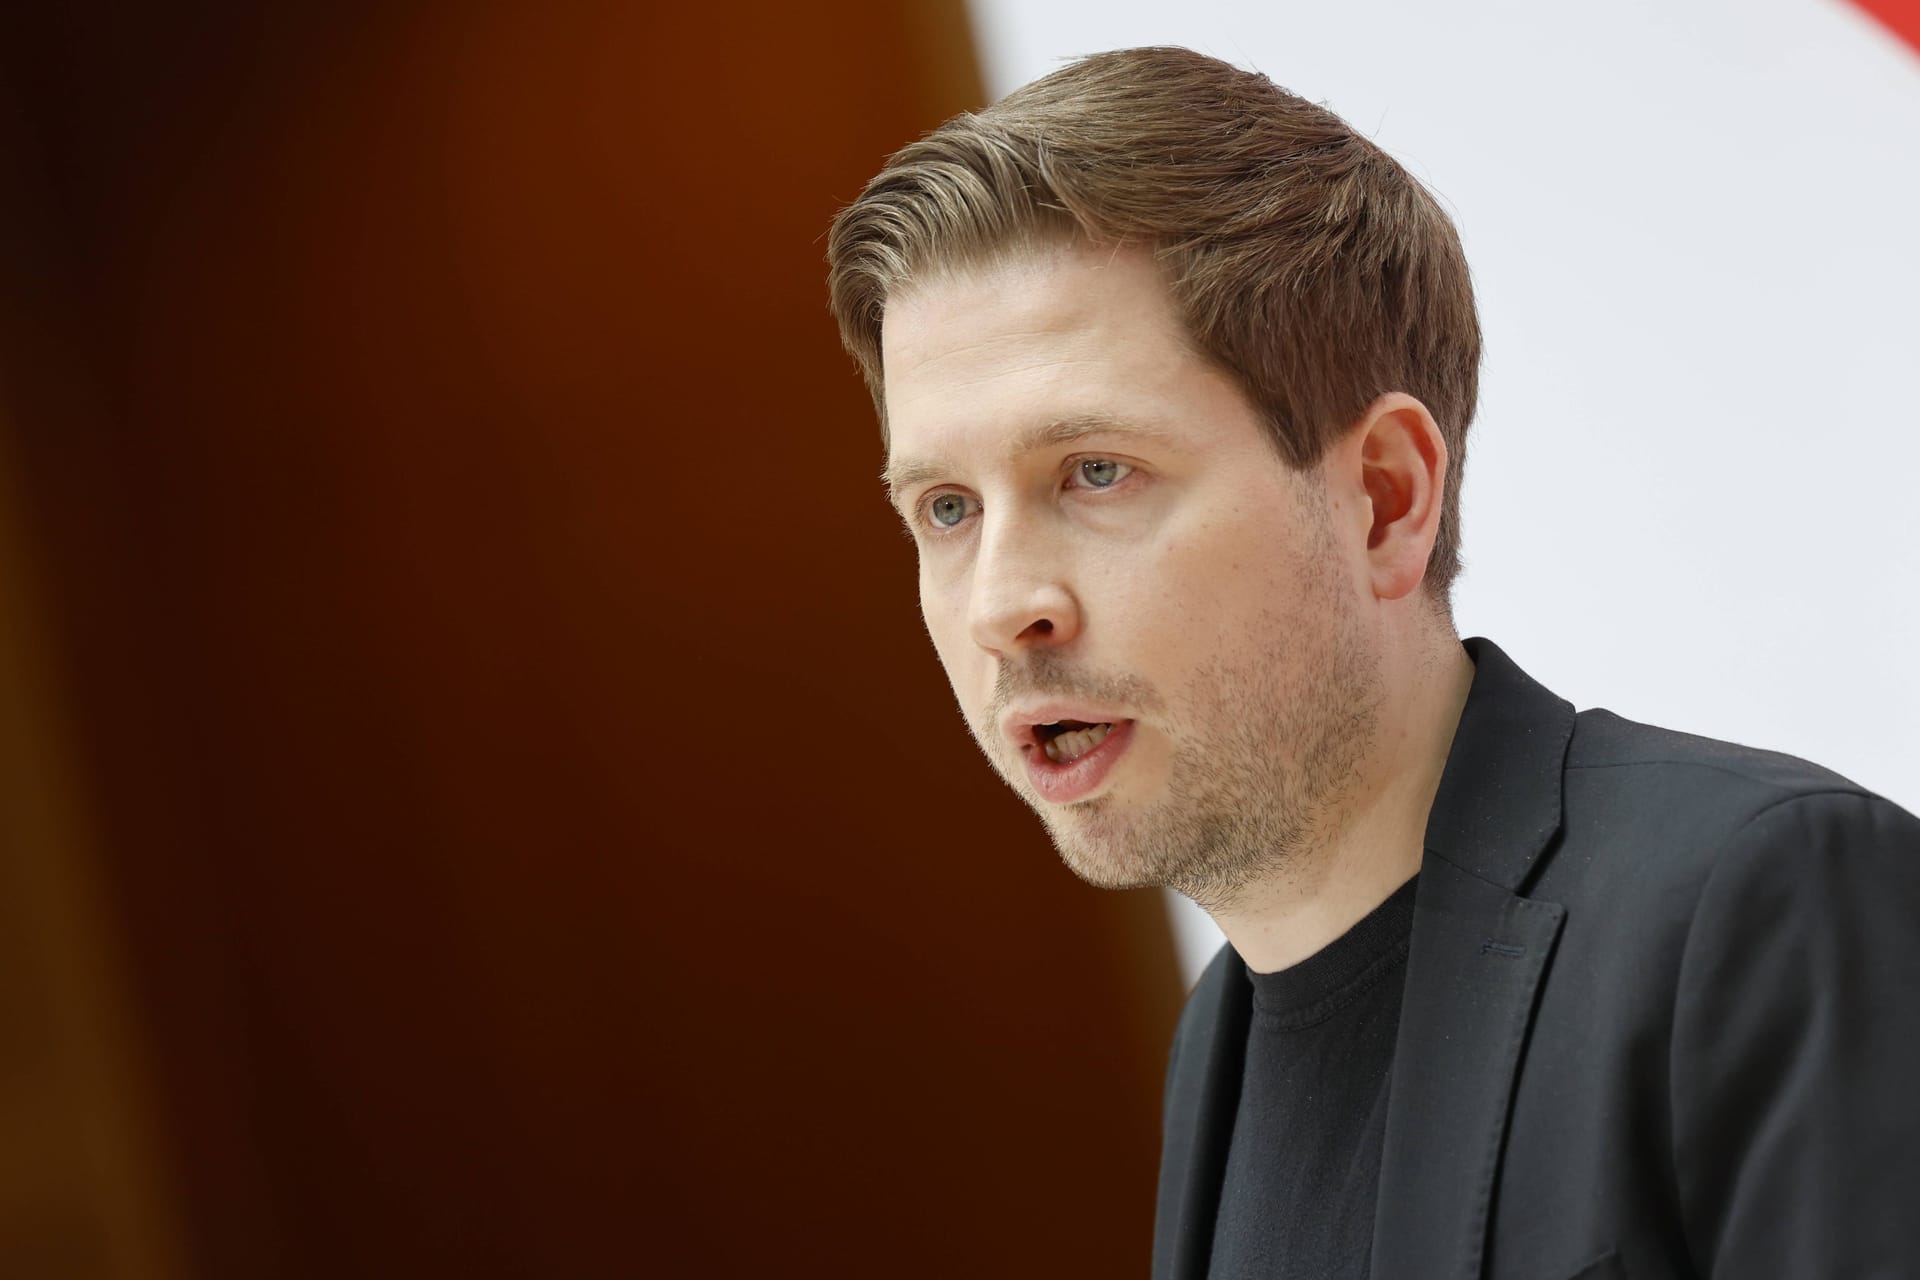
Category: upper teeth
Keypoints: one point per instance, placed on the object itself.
(1071, 746)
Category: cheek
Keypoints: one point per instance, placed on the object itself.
(943, 613)
(1208, 581)
(938, 611)
(1206, 568)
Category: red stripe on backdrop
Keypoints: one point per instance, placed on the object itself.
(1902, 17)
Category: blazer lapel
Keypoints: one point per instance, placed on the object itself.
(1477, 956)
(1475, 962)
(1203, 1092)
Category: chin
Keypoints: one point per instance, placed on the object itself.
(1106, 859)
(1104, 872)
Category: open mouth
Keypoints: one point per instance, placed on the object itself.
(1068, 740)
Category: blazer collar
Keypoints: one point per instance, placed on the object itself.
(1499, 798)
(1478, 955)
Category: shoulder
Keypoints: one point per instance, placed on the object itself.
(1642, 783)
(1655, 822)
(1793, 1033)
(1603, 741)
(1735, 966)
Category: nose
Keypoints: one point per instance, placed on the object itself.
(1021, 595)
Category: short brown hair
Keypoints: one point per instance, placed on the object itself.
(1303, 259)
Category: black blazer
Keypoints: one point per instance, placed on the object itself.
(1662, 1018)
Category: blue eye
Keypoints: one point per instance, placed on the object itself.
(947, 510)
(1103, 473)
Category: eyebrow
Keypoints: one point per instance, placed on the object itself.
(905, 473)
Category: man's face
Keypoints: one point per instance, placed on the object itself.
(1146, 616)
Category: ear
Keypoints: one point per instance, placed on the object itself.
(1403, 470)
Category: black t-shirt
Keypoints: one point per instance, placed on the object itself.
(1303, 1170)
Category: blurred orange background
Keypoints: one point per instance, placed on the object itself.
(475, 794)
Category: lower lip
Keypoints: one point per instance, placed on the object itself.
(1079, 778)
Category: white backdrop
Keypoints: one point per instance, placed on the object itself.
(1694, 479)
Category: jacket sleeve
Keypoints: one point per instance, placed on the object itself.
(1796, 1046)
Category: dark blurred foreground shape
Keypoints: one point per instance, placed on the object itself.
(476, 798)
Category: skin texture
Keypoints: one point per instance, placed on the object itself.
(1101, 520)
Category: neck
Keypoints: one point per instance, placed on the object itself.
(1375, 843)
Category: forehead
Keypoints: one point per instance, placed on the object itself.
(1063, 332)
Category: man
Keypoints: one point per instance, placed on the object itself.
(1175, 372)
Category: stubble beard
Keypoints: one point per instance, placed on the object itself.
(1255, 783)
